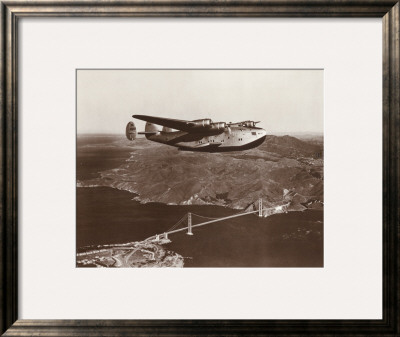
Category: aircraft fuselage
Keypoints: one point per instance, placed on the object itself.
(234, 138)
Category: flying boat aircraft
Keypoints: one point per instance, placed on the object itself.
(200, 135)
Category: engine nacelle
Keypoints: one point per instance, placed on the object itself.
(218, 126)
(130, 131)
(249, 124)
(201, 123)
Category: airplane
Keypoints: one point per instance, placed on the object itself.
(200, 135)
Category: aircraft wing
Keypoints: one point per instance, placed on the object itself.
(177, 124)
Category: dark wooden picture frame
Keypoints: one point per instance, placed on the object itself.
(12, 10)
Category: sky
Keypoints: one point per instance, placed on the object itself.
(284, 101)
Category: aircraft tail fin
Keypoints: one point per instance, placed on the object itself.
(150, 130)
(166, 129)
(130, 131)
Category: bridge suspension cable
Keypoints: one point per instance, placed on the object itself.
(178, 223)
(208, 217)
(204, 217)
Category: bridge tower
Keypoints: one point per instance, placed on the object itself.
(189, 232)
(260, 207)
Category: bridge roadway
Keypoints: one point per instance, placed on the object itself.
(200, 224)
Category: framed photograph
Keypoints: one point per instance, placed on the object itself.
(186, 173)
(207, 168)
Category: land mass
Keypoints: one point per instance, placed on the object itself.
(133, 254)
(286, 172)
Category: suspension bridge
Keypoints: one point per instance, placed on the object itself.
(186, 222)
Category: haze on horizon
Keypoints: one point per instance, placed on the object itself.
(284, 101)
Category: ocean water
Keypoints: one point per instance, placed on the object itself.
(108, 216)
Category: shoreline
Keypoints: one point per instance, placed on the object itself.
(204, 203)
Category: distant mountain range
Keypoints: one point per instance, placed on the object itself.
(292, 147)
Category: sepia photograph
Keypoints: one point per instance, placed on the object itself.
(199, 168)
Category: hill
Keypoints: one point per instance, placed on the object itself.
(283, 171)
